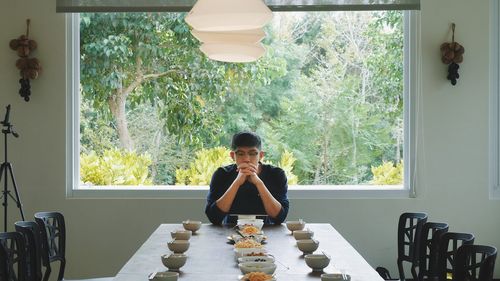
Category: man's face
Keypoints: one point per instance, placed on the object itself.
(247, 155)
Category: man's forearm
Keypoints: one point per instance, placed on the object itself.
(271, 205)
(226, 200)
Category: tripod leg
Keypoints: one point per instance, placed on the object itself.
(18, 200)
(4, 195)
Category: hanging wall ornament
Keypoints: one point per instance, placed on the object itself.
(29, 67)
(452, 54)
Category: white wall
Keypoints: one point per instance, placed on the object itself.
(103, 233)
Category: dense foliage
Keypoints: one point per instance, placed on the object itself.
(327, 98)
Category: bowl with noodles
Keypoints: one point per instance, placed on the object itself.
(247, 243)
(247, 230)
(265, 267)
(257, 276)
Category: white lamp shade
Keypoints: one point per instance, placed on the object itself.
(244, 36)
(228, 15)
(233, 52)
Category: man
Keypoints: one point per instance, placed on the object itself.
(248, 186)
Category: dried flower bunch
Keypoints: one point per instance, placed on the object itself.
(29, 67)
(452, 54)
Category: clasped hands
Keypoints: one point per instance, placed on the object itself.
(248, 171)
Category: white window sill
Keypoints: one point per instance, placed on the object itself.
(200, 192)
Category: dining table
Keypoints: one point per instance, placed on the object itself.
(211, 255)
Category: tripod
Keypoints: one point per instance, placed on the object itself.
(6, 169)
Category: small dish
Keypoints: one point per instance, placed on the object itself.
(163, 276)
(243, 278)
(178, 246)
(255, 259)
(266, 267)
(307, 246)
(295, 225)
(181, 234)
(174, 261)
(335, 277)
(191, 225)
(317, 262)
(303, 234)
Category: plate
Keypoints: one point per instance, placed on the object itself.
(233, 238)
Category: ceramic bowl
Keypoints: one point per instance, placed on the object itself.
(266, 267)
(303, 234)
(181, 234)
(334, 277)
(258, 223)
(174, 261)
(191, 225)
(164, 276)
(178, 246)
(255, 259)
(317, 262)
(307, 246)
(249, 252)
(295, 225)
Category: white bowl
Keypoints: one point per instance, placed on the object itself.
(334, 277)
(307, 246)
(242, 278)
(164, 276)
(191, 225)
(256, 259)
(244, 252)
(174, 261)
(317, 262)
(266, 267)
(178, 246)
(181, 234)
(295, 225)
(303, 234)
(258, 223)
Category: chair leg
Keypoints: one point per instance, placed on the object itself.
(46, 274)
(414, 272)
(61, 271)
(401, 270)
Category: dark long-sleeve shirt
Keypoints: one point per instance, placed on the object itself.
(247, 199)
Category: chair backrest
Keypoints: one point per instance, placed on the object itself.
(409, 228)
(33, 240)
(474, 263)
(53, 229)
(449, 243)
(13, 256)
(428, 249)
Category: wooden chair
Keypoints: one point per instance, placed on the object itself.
(449, 243)
(53, 229)
(12, 257)
(428, 249)
(474, 263)
(409, 229)
(33, 243)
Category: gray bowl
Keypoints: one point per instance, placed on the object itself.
(174, 261)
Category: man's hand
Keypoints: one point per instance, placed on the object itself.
(251, 172)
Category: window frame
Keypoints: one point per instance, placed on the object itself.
(411, 94)
(494, 104)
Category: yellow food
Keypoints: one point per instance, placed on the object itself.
(250, 229)
(247, 243)
(257, 276)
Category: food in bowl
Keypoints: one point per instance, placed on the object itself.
(249, 230)
(265, 267)
(247, 243)
(256, 259)
(257, 276)
(258, 223)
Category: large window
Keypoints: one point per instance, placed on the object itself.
(331, 99)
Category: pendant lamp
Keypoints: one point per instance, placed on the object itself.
(233, 52)
(228, 15)
(244, 36)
